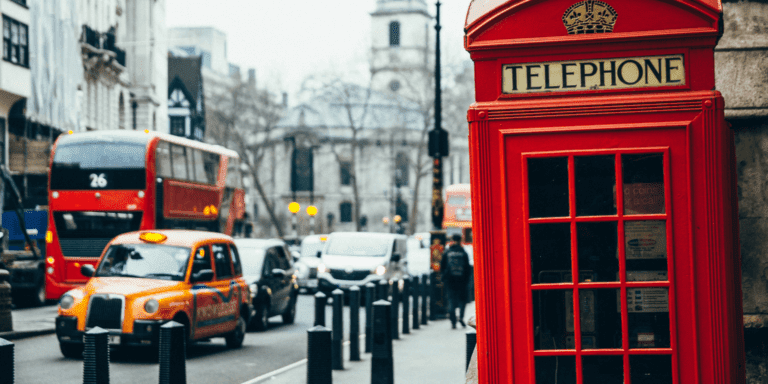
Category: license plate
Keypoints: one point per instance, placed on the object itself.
(114, 339)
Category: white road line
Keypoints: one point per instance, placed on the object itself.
(282, 370)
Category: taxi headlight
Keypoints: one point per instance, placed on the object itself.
(66, 301)
(381, 270)
(254, 290)
(322, 268)
(151, 306)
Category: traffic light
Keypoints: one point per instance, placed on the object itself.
(311, 210)
(294, 207)
(438, 143)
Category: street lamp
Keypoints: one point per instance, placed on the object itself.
(294, 208)
(311, 211)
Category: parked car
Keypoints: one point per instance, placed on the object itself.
(357, 258)
(309, 260)
(147, 278)
(269, 270)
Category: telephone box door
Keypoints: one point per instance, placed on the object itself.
(597, 257)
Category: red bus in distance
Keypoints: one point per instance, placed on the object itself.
(105, 183)
(457, 214)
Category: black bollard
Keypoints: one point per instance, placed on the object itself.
(173, 353)
(337, 353)
(383, 290)
(6, 361)
(471, 342)
(415, 286)
(320, 301)
(354, 323)
(395, 310)
(370, 291)
(319, 355)
(424, 295)
(96, 357)
(382, 364)
(406, 300)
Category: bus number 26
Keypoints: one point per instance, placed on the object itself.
(98, 181)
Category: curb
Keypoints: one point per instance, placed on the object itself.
(18, 335)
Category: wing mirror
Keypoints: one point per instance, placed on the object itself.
(202, 275)
(87, 270)
(278, 273)
(319, 254)
(395, 257)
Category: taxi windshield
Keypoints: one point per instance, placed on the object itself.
(150, 261)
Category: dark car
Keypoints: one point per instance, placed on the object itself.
(269, 271)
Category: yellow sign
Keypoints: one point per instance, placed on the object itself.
(585, 75)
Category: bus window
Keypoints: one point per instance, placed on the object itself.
(211, 165)
(179, 162)
(200, 175)
(233, 173)
(163, 154)
(83, 165)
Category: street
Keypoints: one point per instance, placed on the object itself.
(38, 359)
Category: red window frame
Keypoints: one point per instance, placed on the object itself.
(622, 285)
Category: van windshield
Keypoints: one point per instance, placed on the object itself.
(358, 246)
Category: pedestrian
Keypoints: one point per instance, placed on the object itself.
(455, 270)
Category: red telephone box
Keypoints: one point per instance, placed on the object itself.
(603, 187)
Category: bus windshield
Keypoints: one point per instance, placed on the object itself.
(98, 165)
(151, 261)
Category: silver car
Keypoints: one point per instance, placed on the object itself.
(309, 260)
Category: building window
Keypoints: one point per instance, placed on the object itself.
(394, 85)
(401, 209)
(20, 2)
(401, 169)
(346, 172)
(15, 42)
(177, 125)
(345, 211)
(302, 173)
(394, 34)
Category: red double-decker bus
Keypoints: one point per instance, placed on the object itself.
(105, 183)
(457, 214)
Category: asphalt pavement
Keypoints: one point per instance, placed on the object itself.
(432, 354)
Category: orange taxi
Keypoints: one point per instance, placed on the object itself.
(147, 278)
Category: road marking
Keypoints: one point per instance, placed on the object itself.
(287, 368)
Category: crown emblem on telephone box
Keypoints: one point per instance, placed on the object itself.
(589, 16)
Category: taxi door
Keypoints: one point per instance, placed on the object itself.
(204, 298)
(226, 289)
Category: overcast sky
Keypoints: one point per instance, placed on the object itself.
(288, 40)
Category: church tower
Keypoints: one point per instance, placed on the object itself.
(402, 55)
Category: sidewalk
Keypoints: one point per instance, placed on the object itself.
(434, 353)
(29, 322)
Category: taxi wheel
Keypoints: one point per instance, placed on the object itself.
(71, 350)
(289, 316)
(235, 339)
(261, 320)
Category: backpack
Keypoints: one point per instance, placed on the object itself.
(455, 264)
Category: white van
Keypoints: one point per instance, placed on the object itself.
(357, 258)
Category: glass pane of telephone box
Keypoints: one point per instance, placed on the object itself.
(555, 369)
(598, 251)
(645, 245)
(548, 187)
(551, 253)
(643, 183)
(602, 369)
(553, 319)
(648, 317)
(600, 318)
(650, 369)
(595, 185)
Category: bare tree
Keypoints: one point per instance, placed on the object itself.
(352, 103)
(242, 117)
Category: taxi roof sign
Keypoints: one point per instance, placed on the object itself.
(152, 237)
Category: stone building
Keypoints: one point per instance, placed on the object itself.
(741, 65)
(359, 153)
